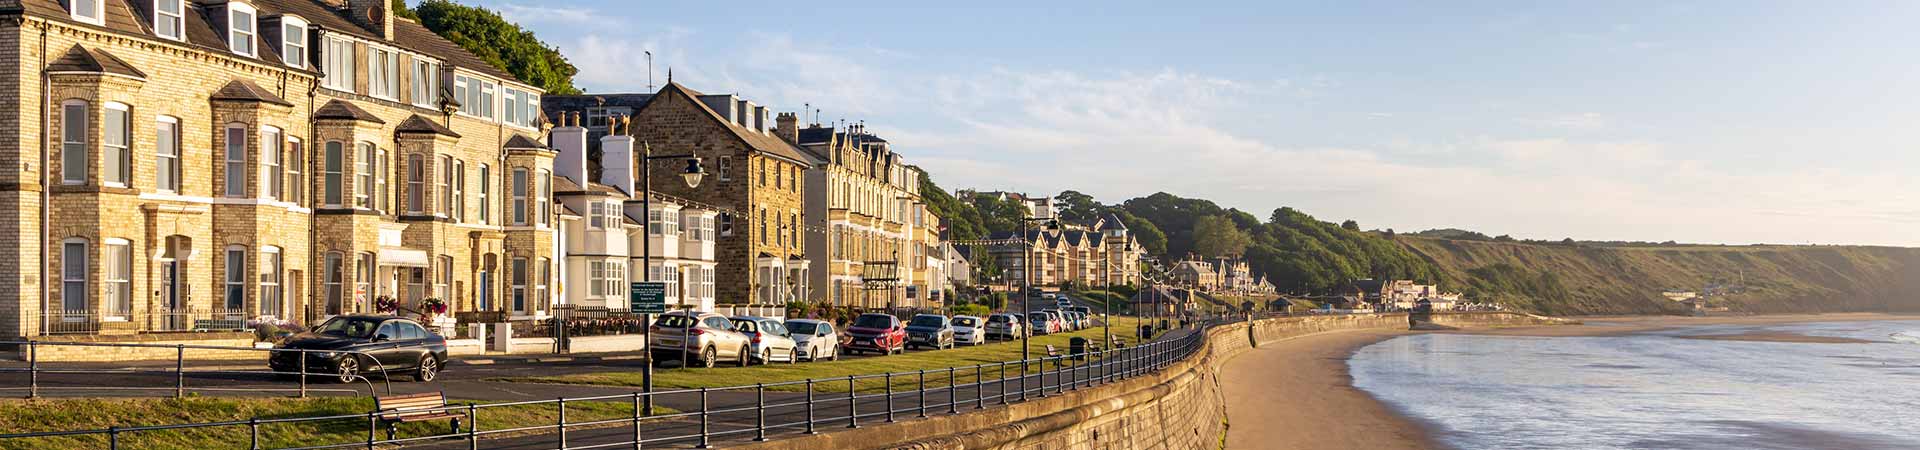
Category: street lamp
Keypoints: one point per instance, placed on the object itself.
(692, 175)
(1026, 288)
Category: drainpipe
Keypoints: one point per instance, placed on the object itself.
(46, 181)
(313, 216)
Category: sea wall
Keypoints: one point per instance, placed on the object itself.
(1181, 407)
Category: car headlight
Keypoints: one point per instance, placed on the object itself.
(324, 355)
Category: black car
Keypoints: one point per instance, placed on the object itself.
(930, 330)
(353, 345)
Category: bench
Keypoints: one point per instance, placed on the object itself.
(1054, 354)
(398, 409)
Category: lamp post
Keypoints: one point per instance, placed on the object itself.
(1026, 281)
(692, 175)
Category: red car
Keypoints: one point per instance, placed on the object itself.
(878, 333)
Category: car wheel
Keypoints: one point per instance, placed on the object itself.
(708, 357)
(745, 356)
(429, 368)
(766, 356)
(793, 355)
(348, 369)
(835, 356)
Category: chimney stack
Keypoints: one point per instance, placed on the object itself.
(787, 126)
(617, 163)
(374, 15)
(570, 140)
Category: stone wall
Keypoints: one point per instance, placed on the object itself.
(1178, 408)
(144, 347)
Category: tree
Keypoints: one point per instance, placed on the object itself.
(1350, 225)
(1076, 207)
(498, 42)
(1144, 231)
(1218, 236)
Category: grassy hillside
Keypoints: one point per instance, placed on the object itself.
(1588, 279)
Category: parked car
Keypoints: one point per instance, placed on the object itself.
(814, 339)
(969, 330)
(770, 340)
(1049, 295)
(1082, 309)
(878, 333)
(930, 330)
(1060, 319)
(701, 338)
(364, 344)
(1042, 323)
(1006, 326)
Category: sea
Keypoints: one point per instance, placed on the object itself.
(1656, 390)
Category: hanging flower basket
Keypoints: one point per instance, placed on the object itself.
(385, 304)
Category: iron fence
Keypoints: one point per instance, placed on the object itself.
(305, 364)
(99, 322)
(705, 415)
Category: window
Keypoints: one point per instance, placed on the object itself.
(762, 165)
(475, 95)
(598, 117)
(270, 296)
(89, 11)
(115, 135)
(293, 40)
(331, 277)
(363, 168)
(426, 83)
(459, 191)
(726, 224)
(236, 281)
(119, 275)
(795, 230)
(240, 28)
(485, 101)
(416, 184)
(73, 141)
(166, 154)
(73, 276)
(520, 285)
(510, 115)
(445, 279)
(383, 73)
(446, 185)
(381, 167)
(335, 162)
(519, 196)
(762, 224)
(545, 195)
(779, 176)
(546, 278)
(236, 157)
(296, 164)
(607, 278)
(272, 173)
(486, 187)
(597, 215)
(337, 64)
(725, 163)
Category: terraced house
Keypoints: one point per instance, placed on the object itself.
(876, 232)
(187, 164)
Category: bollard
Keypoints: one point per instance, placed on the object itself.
(853, 412)
(810, 407)
(760, 409)
(705, 423)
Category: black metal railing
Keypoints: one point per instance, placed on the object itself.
(36, 369)
(758, 412)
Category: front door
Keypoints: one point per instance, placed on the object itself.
(172, 314)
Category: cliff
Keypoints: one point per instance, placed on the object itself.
(1560, 279)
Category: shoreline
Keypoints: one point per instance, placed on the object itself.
(1297, 393)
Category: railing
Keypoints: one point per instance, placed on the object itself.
(179, 372)
(95, 322)
(754, 412)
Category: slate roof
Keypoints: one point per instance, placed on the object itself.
(338, 109)
(1111, 222)
(754, 139)
(82, 59)
(417, 124)
(246, 91)
(522, 141)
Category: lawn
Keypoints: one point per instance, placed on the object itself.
(935, 362)
(23, 416)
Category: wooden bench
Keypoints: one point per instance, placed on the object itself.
(1054, 353)
(398, 409)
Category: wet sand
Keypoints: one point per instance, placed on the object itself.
(1297, 394)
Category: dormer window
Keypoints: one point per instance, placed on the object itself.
(169, 18)
(89, 11)
(293, 41)
(240, 31)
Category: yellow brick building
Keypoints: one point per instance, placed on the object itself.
(178, 165)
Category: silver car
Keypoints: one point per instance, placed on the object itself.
(1006, 326)
(701, 338)
(770, 340)
(814, 339)
(969, 330)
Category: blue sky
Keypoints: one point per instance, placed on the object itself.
(1731, 122)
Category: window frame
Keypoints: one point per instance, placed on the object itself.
(235, 160)
(518, 277)
(445, 180)
(116, 161)
(486, 188)
(116, 279)
(74, 277)
(416, 184)
(272, 168)
(294, 55)
(337, 61)
(99, 11)
(272, 300)
(383, 72)
(520, 180)
(333, 174)
(75, 151)
(426, 82)
(234, 280)
(233, 29)
(166, 166)
(363, 175)
(296, 172)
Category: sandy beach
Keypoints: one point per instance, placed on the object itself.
(1297, 394)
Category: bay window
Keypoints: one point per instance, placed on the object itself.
(335, 164)
(236, 160)
(73, 142)
(271, 171)
(115, 136)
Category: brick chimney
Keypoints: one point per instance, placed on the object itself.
(787, 126)
(374, 15)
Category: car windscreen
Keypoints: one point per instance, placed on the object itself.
(873, 321)
(925, 321)
(358, 328)
(745, 326)
(803, 327)
(675, 321)
(964, 322)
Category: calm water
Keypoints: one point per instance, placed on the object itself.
(1657, 391)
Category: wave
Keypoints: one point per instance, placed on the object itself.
(1909, 337)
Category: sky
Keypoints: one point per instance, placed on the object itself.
(1712, 122)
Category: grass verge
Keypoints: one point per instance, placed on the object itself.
(26, 416)
(935, 362)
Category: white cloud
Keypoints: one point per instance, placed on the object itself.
(524, 14)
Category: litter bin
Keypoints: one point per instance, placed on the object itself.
(1163, 324)
(1146, 332)
(1078, 348)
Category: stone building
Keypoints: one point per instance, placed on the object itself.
(176, 165)
(753, 184)
(875, 230)
(604, 224)
(1088, 256)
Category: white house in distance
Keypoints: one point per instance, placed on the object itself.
(605, 228)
